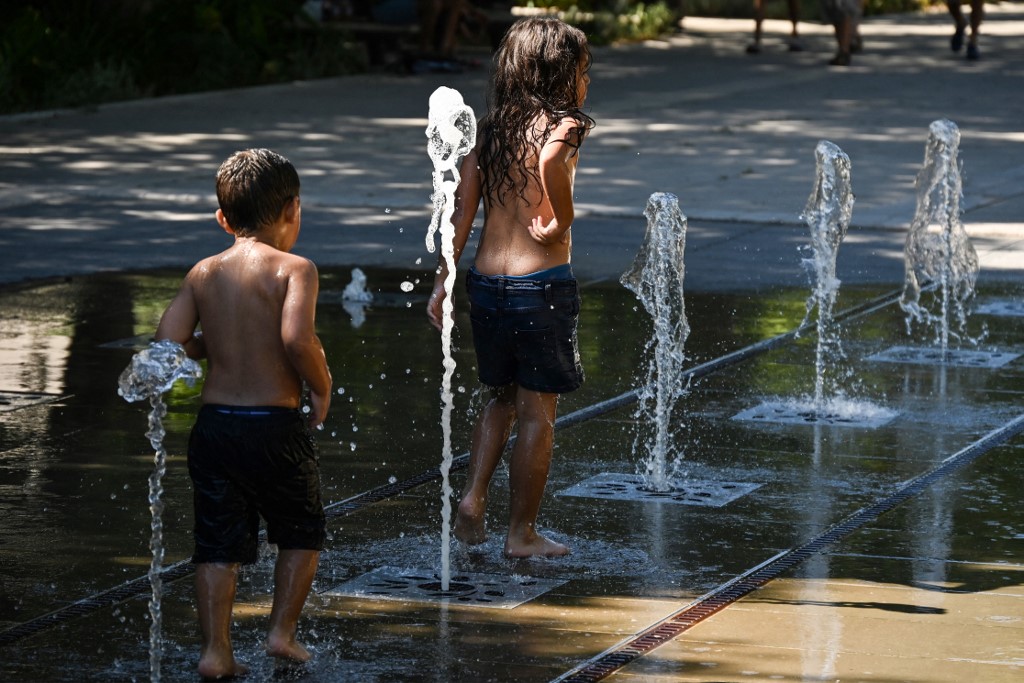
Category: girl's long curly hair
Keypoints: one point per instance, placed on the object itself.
(536, 70)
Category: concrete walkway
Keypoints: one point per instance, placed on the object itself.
(129, 186)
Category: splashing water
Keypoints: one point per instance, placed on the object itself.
(451, 134)
(938, 251)
(355, 298)
(150, 375)
(656, 278)
(827, 214)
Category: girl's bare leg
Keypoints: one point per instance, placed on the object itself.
(489, 438)
(528, 474)
(215, 596)
(293, 577)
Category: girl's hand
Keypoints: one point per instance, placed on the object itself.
(548, 234)
(434, 312)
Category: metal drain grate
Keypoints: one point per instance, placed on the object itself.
(15, 400)
(785, 413)
(417, 585)
(954, 357)
(706, 493)
(1004, 308)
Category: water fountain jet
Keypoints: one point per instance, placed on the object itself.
(656, 278)
(451, 134)
(150, 375)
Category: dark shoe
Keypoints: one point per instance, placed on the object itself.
(957, 41)
(754, 48)
(841, 59)
(857, 44)
(973, 53)
(795, 46)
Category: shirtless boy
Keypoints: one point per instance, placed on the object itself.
(251, 452)
(524, 301)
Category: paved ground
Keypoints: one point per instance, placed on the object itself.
(129, 186)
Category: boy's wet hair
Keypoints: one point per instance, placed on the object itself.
(253, 187)
(536, 72)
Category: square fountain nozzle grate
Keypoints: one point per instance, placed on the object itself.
(1003, 307)
(13, 400)
(796, 414)
(421, 585)
(954, 357)
(614, 486)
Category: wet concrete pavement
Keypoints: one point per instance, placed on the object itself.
(929, 591)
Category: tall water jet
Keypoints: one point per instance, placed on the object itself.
(938, 252)
(656, 278)
(827, 214)
(150, 375)
(451, 134)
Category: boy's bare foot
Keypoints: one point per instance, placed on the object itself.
(469, 523)
(215, 667)
(540, 546)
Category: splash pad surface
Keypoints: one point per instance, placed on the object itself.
(73, 473)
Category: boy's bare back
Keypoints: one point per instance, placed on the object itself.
(253, 301)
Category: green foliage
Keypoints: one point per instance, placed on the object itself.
(58, 54)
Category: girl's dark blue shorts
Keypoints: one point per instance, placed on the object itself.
(524, 331)
(247, 462)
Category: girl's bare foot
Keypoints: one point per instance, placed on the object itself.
(217, 667)
(469, 522)
(539, 546)
(287, 649)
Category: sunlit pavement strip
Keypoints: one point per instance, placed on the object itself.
(422, 585)
(14, 400)
(954, 357)
(783, 413)
(706, 493)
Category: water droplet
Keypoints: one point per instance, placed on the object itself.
(352, 445)
(419, 261)
(382, 375)
(387, 210)
(355, 428)
(406, 286)
(341, 390)
(306, 410)
(392, 479)
(461, 390)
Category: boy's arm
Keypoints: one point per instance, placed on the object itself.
(467, 201)
(557, 163)
(298, 320)
(178, 323)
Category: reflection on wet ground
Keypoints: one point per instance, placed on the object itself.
(74, 466)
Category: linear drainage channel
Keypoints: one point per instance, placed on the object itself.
(953, 357)
(632, 487)
(611, 660)
(361, 501)
(864, 416)
(419, 585)
(16, 400)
